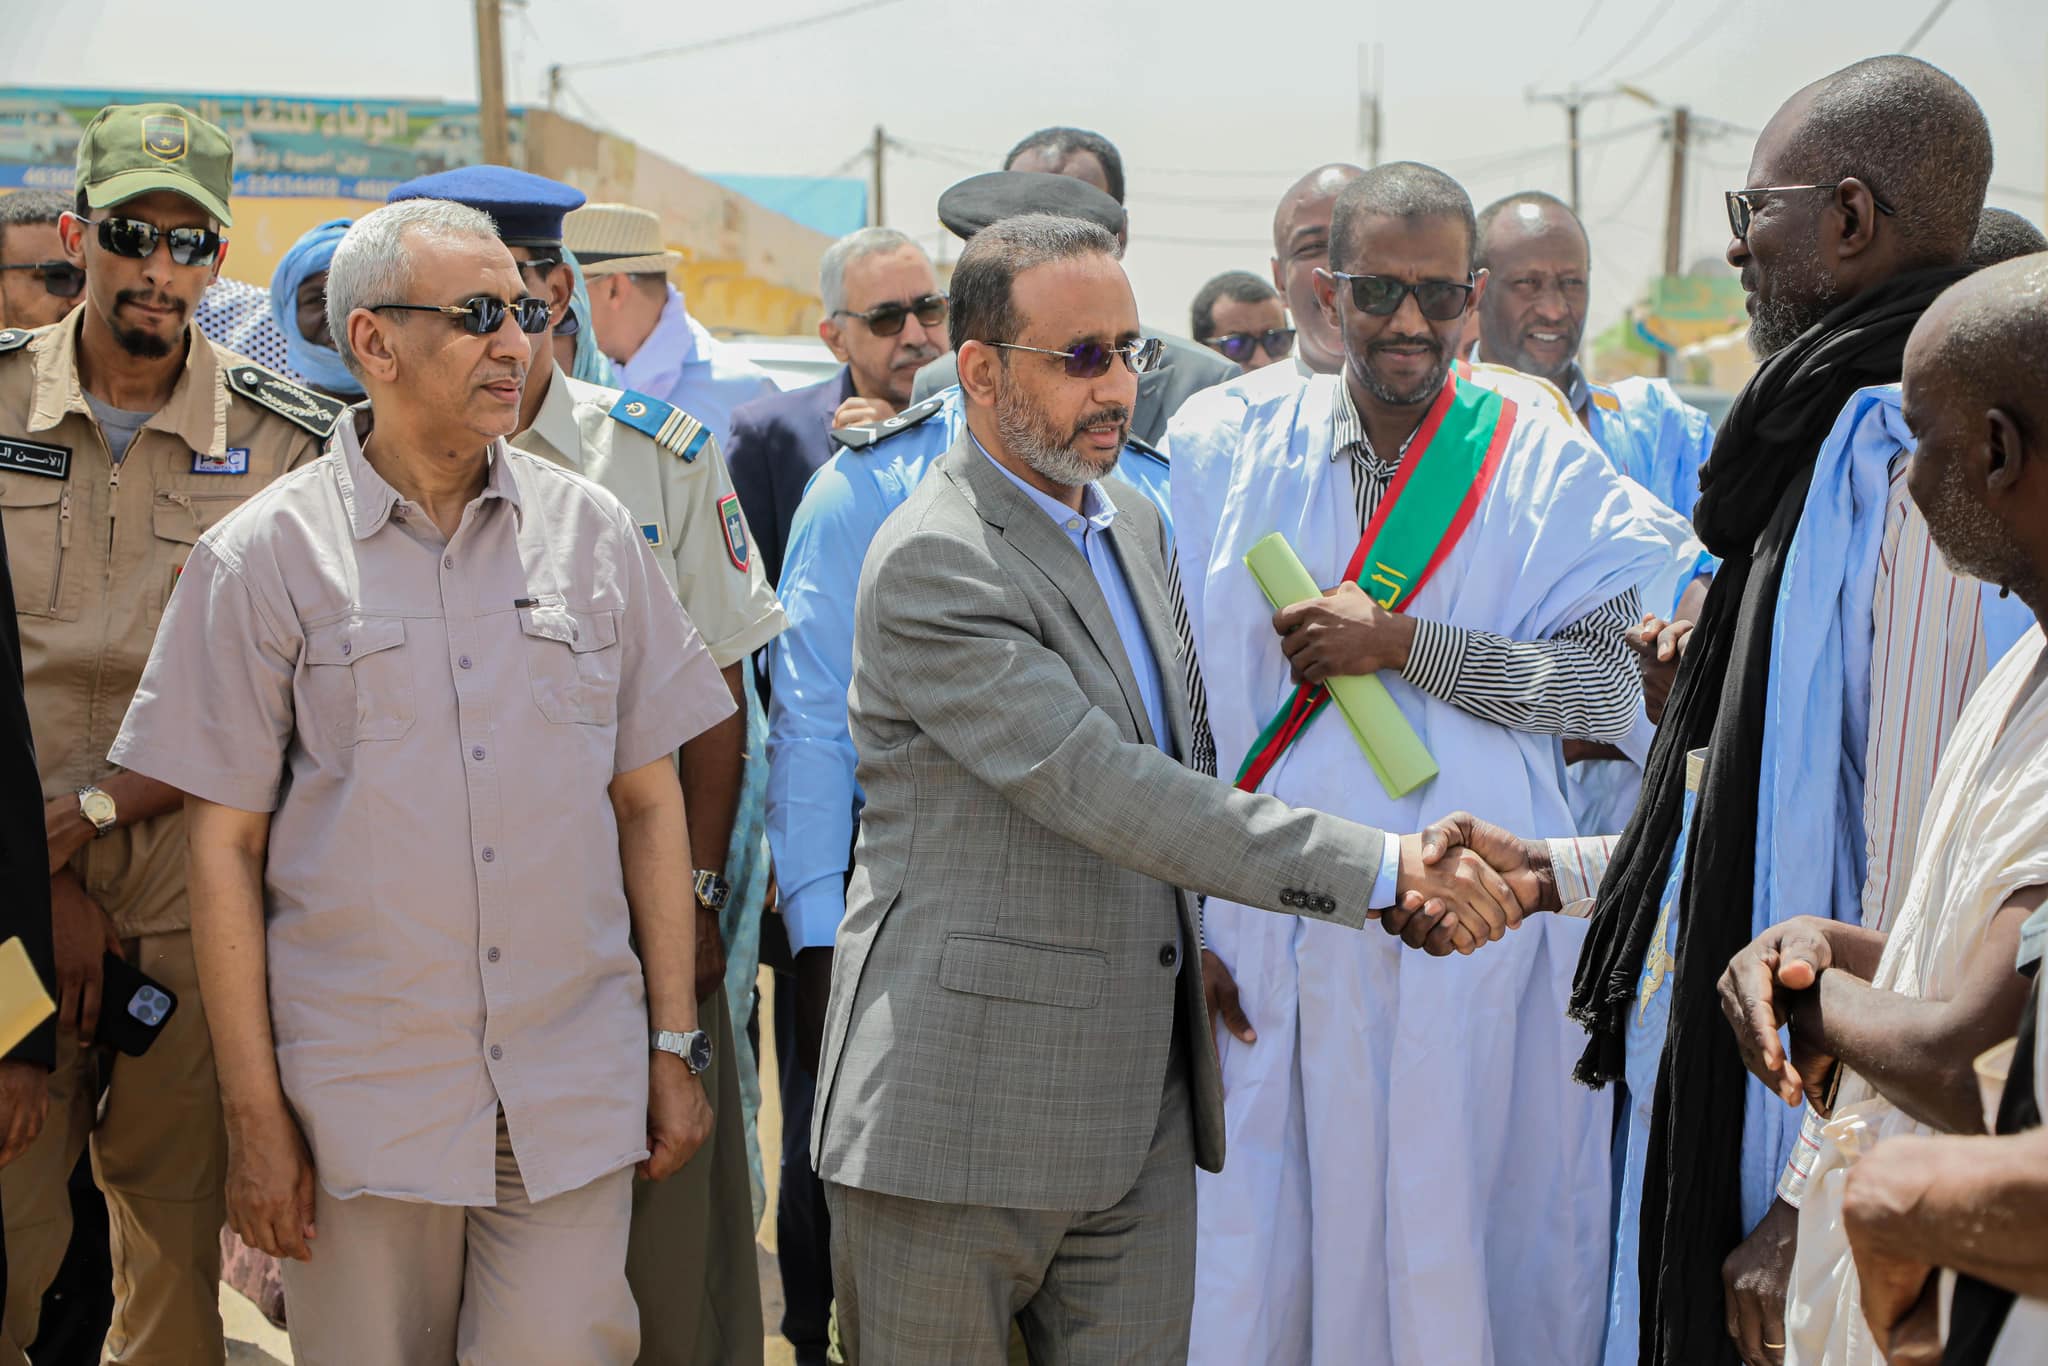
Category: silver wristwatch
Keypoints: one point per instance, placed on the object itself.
(98, 809)
(692, 1046)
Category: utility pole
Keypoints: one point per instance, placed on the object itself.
(490, 84)
(1371, 71)
(1674, 209)
(881, 146)
(1572, 101)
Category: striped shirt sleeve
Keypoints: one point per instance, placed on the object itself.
(1202, 755)
(1581, 684)
(1576, 866)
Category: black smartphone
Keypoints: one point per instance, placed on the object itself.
(133, 1007)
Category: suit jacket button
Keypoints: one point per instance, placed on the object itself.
(1290, 897)
(1168, 956)
(1329, 904)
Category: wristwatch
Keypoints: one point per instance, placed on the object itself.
(711, 889)
(692, 1046)
(98, 808)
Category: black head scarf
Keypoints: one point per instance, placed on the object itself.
(1752, 492)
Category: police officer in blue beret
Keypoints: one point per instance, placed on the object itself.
(690, 1259)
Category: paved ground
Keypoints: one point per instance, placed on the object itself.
(252, 1341)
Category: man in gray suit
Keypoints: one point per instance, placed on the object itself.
(1079, 174)
(1018, 1078)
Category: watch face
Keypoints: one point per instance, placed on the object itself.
(700, 1051)
(97, 806)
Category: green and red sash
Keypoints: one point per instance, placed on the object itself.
(1433, 498)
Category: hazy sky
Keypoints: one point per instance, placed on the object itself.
(1216, 106)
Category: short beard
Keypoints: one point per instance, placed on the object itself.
(1972, 541)
(1029, 434)
(1804, 294)
(1425, 388)
(142, 345)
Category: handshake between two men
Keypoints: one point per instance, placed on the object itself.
(1463, 883)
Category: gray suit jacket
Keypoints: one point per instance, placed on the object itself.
(1184, 369)
(1015, 949)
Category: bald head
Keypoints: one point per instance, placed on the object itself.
(1301, 243)
(1976, 398)
(1532, 315)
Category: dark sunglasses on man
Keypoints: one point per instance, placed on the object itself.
(1743, 204)
(1382, 295)
(886, 320)
(135, 239)
(1090, 360)
(61, 279)
(481, 315)
(1240, 346)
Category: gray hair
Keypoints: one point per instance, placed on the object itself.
(31, 208)
(983, 309)
(853, 247)
(372, 265)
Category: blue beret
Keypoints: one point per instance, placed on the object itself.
(528, 208)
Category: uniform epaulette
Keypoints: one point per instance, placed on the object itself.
(13, 339)
(295, 403)
(866, 434)
(1133, 445)
(672, 428)
(1602, 398)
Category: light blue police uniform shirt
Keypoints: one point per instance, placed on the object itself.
(813, 798)
(688, 367)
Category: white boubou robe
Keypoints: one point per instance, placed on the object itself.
(1984, 838)
(1412, 1174)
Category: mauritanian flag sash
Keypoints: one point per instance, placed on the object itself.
(1427, 507)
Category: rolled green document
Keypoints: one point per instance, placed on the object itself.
(1391, 745)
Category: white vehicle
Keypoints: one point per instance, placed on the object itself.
(793, 362)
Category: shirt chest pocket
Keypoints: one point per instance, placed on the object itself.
(177, 519)
(572, 660)
(36, 515)
(359, 679)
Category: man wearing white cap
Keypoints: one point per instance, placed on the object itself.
(641, 322)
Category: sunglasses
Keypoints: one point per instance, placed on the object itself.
(135, 239)
(1239, 346)
(1382, 295)
(1090, 360)
(1743, 204)
(482, 315)
(886, 320)
(61, 279)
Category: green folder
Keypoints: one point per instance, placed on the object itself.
(1391, 746)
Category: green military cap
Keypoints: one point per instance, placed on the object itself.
(132, 149)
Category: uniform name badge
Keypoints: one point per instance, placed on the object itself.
(233, 460)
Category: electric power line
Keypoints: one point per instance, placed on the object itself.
(1635, 41)
(729, 39)
(1586, 21)
(1691, 41)
(1933, 16)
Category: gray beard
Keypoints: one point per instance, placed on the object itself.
(1782, 321)
(1026, 438)
(1972, 542)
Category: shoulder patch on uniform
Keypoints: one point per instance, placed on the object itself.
(672, 428)
(734, 523)
(1605, 398)
(866, 434)
(1132, 445)
(13, 339)
(295, 403)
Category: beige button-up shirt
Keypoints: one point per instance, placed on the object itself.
(433, 724)
(95, 548)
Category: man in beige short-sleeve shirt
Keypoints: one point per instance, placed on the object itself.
(424, 695)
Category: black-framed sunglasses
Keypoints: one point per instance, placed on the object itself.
(1381, 295)
(1090, 360)
(1743, 204)
(481, 314)
(1240, 346)
(135, 239)
(62, 279)
(886, 320)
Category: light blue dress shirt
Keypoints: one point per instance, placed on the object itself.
(1088, 529)
(683, 364)
(813, 799)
